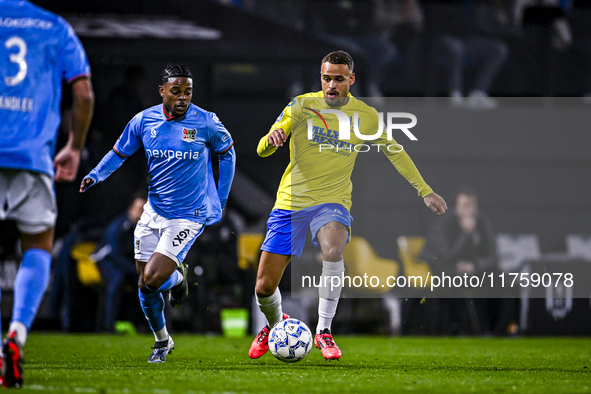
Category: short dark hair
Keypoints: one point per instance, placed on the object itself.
(467, 191)
(339, 57)
(175, 70)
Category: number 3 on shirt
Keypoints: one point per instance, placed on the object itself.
(18, 58)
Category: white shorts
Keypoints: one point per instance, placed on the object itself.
(29, 199)
(170, 237)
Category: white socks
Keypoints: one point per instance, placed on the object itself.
(329, 294)
(21, 331)
(180, 279)
(271, 307)
(161, 335)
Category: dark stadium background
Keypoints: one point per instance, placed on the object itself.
(540, 185)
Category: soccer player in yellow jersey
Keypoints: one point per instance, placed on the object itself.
(315, 192)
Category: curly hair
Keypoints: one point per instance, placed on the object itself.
(175, 70)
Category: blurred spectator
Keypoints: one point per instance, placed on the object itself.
(115, 258)
(69, 301)
(463, 243)
(467, 34)
(357, 27)
(584, 47)
(546, 31)
(580, 17)
(365, 27)
(402, 23)
(270, 9)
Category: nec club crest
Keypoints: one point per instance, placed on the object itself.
(189, 134)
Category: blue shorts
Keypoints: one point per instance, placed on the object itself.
(286, 230)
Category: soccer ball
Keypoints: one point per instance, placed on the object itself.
(290, 340)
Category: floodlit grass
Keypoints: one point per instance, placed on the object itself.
(118, 364)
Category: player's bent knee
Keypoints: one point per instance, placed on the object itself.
(333, 253)
(152, 279)
(265, 288)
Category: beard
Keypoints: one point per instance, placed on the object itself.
(336, 101)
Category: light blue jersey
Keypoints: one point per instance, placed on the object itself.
(182, 185)
(38, 50)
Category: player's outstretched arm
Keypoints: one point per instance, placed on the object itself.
(269, 143)
(78, 119)
(435, 203)
(86, 183)
(111, 162)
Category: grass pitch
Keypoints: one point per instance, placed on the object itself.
(117, 364)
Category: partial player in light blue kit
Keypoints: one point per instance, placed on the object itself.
(38, 52)
(177, 137)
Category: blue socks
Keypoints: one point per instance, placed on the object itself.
(153, 306)
(170, 282)
(30, 284)
(153, 302)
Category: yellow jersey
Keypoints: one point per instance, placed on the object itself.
(321, 160)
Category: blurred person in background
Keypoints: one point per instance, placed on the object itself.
(361, 30)
(39, 52)
(580, 19)
(545, 30)
(402, 23)
(114, 257)
(466, 35)
(464, 243)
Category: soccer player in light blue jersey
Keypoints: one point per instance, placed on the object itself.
(38, 51)
(177, 137)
